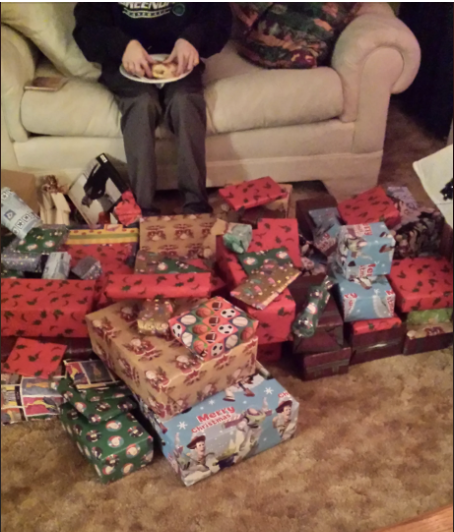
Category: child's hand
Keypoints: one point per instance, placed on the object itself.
(185, 55)
(136, 60)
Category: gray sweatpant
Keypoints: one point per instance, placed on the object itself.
(182, 106)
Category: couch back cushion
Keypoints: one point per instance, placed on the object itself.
(49, 25)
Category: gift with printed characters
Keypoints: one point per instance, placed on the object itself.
(165, 374)
(325, 364)
(428, 338)
(239, 423)
(213, 328)
(151, 263)
(309, 213)
(255, 262)
(252, 193)
(365, 250)
(422, 284)
(87, 374)
(115, 448)
(326, 235)
(366, 334)
(38, 307)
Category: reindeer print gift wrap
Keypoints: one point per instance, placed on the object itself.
(163, 373)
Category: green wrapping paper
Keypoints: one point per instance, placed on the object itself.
(430, 317)
(238, 238)
(306, 323)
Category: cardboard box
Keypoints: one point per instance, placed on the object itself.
(229, 428)
(424, 339)
(369, 334)
(321, 365)
(164, 374)
(423, 284)
(362, 355)
(24, 185)
(39, 307)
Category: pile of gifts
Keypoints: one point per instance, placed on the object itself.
(163, 328)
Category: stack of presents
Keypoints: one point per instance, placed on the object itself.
(163, 330)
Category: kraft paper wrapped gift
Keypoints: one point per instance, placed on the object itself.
(361, 355)
(58, 266)
(88, 269)
(365, 250)
(368, 334)
(209, 245)
(229, 428)
(115, 448)
(423, 284)
(306, 223)
(370, 207)
(38, 307)
(149, 263)
(176, 236)
(321, 365)
(429, 317)
(164, 374)
(252, 193)
(29, 398)
(425, 339)
(16, 215)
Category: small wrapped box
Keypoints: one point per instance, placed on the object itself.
(321, 365)
(154, 317)
(38, 307)
(88, 374)
(365, 250)
(276, 209)
(429, 317)
(424, 339)
(252, 194)
(232, 426)
(305, 209)
(17, 215)
(41, 240)
(326, 236)
(390, 349)
(58, 266)
(367, 334)
(115, 448)
(29, 398)
(163, 373)
(88, 269)
(423, 284)
(19, 262)
(238, 238)
(370, 207)
(256, 262)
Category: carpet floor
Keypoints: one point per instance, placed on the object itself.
(373, 448)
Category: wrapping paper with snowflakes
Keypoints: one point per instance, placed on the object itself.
(38, 307)
(253, 263)
(176, 236)
(252, 194)
(365, 250)
(115, 448)
(147, 262)
(370, 207)
(16, 215)
(423, 284)
(368, 334)
(366, 299)
(108, 234)
(226, 429)
(213, 328)
(163, 373)
(143, 286)
(31, 358)
(322, 365)
(263, 287)
(428, 338)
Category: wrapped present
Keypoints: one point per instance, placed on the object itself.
(229, 266)
(176, 236)
(361, 355)
(238, 238)
(222, 211)
(54, 208)
(22, 262)
(304, 210)
(115, 448)
(322, 365)
(154, 317)
(219, 287)
(149, 263)
(253, 263)
(41, 240)
(306, 323)
(372, 333)
(17, 215)
(263, 287)
(429, 317)
(240, 423)
(320, 216)
(326, 235)
(370, 207)
(403, 197)
(276, 209)
(427, 338)
(365, 250)
(366, 299)
(272, 234)
(38, 307)
(163, 373)
(143, 286)
(118, 258)
(252, 194)
(32, 358)
(88, 269)
(423, 284)
(108, 234)
(75, 347)
(11, 274)
(58, 266)
(87, 374)
(213, 328)
(29, 398)
(219, 228)
(127, 211)
(269, 354)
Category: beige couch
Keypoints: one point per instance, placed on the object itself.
(326, 124)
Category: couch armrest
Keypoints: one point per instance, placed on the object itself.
(376, 29)
(18, 65)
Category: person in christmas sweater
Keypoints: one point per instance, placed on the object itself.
(122, 33)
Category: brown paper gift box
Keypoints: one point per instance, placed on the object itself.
(163, 373)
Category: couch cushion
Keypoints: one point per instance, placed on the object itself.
(239, 97)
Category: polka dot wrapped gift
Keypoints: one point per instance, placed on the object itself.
(213, 328)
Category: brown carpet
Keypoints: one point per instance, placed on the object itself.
(374, 448)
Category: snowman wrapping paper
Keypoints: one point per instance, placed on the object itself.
(165, 374)
(230, 427)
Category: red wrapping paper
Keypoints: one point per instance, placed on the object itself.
(371, 207)
(365, 327)
(127, 211)
(252, 194)
(112, 257)
(137, 286)
(229, 266)
(30, 358)
(422, 284)
(270, 354)
(38, 307)
(271, 234)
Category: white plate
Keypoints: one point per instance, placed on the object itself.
(156, 57)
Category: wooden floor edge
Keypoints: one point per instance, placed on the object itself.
(437, 521)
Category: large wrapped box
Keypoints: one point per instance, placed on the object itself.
(424, 339)
(423, 284)
(163, 373)
(366, 334)
(115, 448)
(75, 347)
(230, 427)
(176, 236)
(108, 234)
(321, 365)
(38, 307)
(115, 258)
